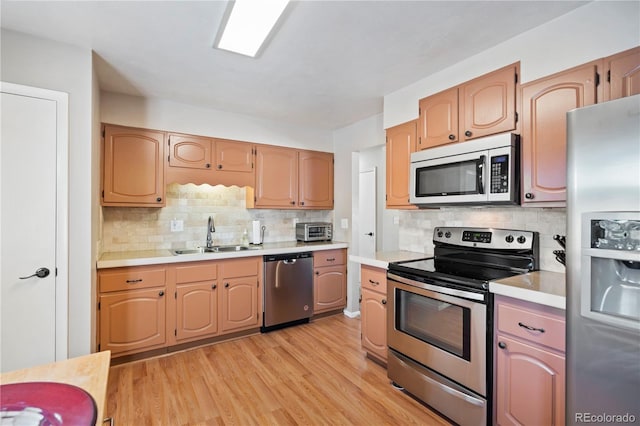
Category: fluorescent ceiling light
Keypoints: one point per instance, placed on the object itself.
(249, 24)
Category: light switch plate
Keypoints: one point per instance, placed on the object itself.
(344, 223)
(177, 225)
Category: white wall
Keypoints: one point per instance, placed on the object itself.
(46, 64)
(590, 32)
(173, 116)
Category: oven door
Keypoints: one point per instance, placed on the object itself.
(444, 332)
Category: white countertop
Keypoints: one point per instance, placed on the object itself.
(542, 287)
(383, 258)
(155, 257)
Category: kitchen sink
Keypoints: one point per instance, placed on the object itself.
(214, 249)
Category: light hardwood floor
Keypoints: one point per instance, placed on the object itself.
(311, 374)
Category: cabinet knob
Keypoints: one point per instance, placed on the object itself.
(159, 199)
(219, 166)
(226, 285)
(468, 133)
(293, 203)
(452, 137)
(384, 301)
(213, 287)
(317, 273)
(360, 299)
(529, 196)
(302, 203)
(208, 166)
(161, 294)
(502, 345)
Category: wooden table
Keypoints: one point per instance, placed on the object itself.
(89, 372)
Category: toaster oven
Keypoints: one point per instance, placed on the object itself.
(314, 231)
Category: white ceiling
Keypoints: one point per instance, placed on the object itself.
(328, 65)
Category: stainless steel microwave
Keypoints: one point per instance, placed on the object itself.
(314, 231)
(483, 171)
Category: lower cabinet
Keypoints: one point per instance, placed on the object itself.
(132, 309)
(329, 280)
(207, 299)
(530, 363)
(373, 311)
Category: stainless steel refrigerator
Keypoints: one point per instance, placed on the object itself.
(603, 263)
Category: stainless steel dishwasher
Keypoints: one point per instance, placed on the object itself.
(288, 290)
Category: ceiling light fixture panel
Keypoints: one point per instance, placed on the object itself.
(249, 24)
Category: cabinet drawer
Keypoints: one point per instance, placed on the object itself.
(245, 267)
(194, 273)
(329, 258)
(373, 279)
(537, 327)
(131, 278)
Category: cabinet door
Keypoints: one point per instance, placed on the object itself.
(133, 168)
(401, 142)
(232, 156)
(239, 304)
(374, 323)
(196, 310)
(530, 387)
(315, 179)
(192, 152)
(622, 74)
(488, 104)
(439, 119)
(276, 177)
(545, 103)
(132, 321)
(329, 289)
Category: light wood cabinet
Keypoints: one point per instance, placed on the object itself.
(622, 74)
(329, 280)
(133, 167)
(530, 363)
(292, 179)
(545, 103)
(241, 290)
(373, 309)
(401, 142)
(196, 298)
(198, 159)
(132, 309)
(483, 106)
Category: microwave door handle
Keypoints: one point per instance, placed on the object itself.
(480, 174)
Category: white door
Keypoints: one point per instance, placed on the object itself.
(31, 147)
(367, 213)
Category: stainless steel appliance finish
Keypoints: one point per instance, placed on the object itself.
(314, 231)
(288, 290)
(440, 325)
(478, 172)
(603, 263)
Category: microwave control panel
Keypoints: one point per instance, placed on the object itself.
(499, 174)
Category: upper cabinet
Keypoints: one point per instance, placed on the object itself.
(480, 107)
(133, 167)
(198, 159)
(622, 74)
(545, 103)
(289, 178)
(401, 142)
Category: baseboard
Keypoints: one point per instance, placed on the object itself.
(350, 314)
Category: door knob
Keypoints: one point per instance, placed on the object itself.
(369, 234)
(40, 273)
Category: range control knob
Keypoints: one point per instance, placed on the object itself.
(440, 234)
(522, 239)
(447, 234)
(509, 238)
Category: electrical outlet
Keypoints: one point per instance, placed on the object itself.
(344, 223)
(177, 225)
(396, 220)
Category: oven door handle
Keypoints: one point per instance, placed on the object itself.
(437, 289)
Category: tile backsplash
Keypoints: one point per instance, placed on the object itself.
(416, 227)
(131, 229)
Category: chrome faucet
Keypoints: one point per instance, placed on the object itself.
(210, 229)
